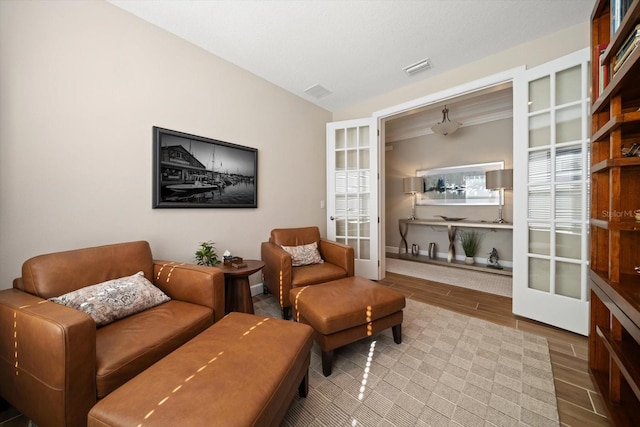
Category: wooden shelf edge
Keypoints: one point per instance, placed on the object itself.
(619, 415)
(626, 225)
(617, 81)
(614, 123)
(619, 351)
(621, 162)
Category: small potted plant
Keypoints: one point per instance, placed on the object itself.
(470, 241)
(207, 255)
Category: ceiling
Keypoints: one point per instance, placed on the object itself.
(355, 49)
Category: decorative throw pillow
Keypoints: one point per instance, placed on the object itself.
(114, 299)
(304, 254)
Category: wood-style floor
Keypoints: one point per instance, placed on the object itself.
(579, 404)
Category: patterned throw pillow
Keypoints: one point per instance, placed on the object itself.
(304, 254)
(114, 299)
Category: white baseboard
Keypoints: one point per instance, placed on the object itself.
(256, 289)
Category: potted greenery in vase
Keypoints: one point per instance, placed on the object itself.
(207, 255)
(470, 241)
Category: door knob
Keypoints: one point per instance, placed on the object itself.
(332, 218)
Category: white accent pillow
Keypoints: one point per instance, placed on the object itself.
(304, 254)
(114, 299)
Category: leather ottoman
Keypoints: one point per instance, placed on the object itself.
(242, 371)
(346, 310)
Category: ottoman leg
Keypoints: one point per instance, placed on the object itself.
(303, 388)
(327, 362)
(397, 333)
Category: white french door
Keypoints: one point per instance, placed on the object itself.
(551, 192)
(352, 191)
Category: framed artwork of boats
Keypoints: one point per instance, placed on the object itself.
(458, 185)
(192, 171)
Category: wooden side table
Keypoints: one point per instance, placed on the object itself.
(236, 286)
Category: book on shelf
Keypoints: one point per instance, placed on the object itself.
(618, 9)
(627, 48)
(603, 69)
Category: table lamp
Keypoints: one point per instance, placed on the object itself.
(501, 179)
(413, 185)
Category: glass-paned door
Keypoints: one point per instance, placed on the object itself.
(551, 193)
(352, 191)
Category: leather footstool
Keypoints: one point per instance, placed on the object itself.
(242, 371)
(346, 310)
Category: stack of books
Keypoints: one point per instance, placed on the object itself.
(627, 47)
(618, 10)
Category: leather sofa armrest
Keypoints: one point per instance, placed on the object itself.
(277, 271)
(47, 359)
(197, 284)
(338, 254)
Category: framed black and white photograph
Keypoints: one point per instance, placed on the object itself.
(192, 171)
(458, 185)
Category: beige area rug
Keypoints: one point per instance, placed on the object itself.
(450, 370)
(485, 282)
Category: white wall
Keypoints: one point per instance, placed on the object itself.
(81, 85)
(488, 142)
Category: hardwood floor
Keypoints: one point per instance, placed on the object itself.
(579, 404)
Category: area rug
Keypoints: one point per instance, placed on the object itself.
(450, 370)
(470, 279)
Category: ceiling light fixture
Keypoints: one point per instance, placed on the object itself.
(422, 65)
(446, 126)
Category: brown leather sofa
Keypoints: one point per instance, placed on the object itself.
(55, 363)
(280, 276)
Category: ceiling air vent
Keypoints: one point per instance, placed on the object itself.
(422, 65)
(317, 91)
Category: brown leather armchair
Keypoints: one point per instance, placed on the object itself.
(280, 276)
(55, 363)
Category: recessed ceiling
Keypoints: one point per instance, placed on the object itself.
(355, 49)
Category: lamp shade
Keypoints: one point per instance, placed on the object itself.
(413, 184)
(497, 179)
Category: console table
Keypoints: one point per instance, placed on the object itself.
(403, 226)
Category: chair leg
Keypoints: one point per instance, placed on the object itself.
(327, 362)
(397, 333)
(303, 388)
(286, 313)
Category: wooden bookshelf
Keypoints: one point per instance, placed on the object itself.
(614, 336)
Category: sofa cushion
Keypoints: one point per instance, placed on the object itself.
(114, 299)
(304, 254)
(316, 273)
(129, 346)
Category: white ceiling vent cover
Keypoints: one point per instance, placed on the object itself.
(422, 65)
(317, 91)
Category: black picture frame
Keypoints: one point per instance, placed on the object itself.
(191, 171)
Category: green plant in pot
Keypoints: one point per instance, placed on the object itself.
(470, 241)
(207, 255)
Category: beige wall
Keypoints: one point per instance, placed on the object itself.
(488, 142)
(81, 85)
(83, 82)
